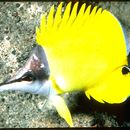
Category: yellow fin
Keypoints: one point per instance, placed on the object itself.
(93, 13)
(87, 12)
(99, 11)
(79, 19)
(88, 22)
(73, 14)
(62, 108)
(66, 15)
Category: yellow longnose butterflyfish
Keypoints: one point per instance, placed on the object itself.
(85, 50)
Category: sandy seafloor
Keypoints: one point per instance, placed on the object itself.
(20, 110)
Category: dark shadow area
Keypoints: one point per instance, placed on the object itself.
(84, 105)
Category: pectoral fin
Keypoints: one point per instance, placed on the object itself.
(62, 109)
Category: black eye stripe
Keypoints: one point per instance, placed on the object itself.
(29, 76)
(125, 70)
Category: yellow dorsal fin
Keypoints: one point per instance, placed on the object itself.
(99, 12)
(79, 17)
(85, 25)
(73, 14)
(93, 13)
(49, 27)
(66, 15)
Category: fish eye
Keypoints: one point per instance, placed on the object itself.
(125, 70)
(29, 76)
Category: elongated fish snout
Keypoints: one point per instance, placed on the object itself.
(33, 77)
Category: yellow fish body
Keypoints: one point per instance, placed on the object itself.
(85, 51)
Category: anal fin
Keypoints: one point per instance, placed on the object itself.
(62, 108)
